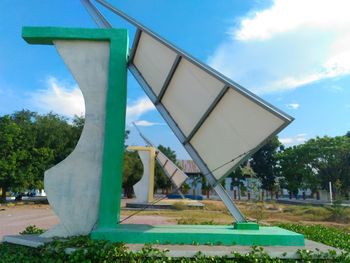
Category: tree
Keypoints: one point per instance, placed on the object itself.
(330, 159)
(9, 153)
(316, 163)
(30, 144)
(56, 133)
(264, 163)
(132, 172)
(293, 163)
(21, 163)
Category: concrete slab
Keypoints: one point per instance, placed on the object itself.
(283, 252)
(199, 234)
(27, 240)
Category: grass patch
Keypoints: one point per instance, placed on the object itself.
(180, 205)
(195, 221)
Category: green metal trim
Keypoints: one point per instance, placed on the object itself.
(199, 234)
(46, 35)
(246, 226)
(112, 167)
(113, 151)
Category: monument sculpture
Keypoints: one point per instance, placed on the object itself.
(143, 189)
(220, 129)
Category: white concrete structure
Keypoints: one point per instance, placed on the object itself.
(141, 188)
(73, 186)
(144, 188)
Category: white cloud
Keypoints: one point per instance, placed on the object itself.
(293, 106)
(60, 98)
(68, 100)
(137, 108)
(287, 45)
(147, 123)
(286, 140)
(288, 15)
(293, 140)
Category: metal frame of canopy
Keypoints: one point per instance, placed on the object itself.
(101, 21)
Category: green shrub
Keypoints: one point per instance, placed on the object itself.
(32, 229)
(327, 235)
(88, 250)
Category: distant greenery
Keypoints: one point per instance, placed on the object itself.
(316, 163)
(133, 170)
(30, 143)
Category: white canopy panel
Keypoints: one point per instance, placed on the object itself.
(190, 92)
(174, 173)
(236, 126)
(219, 119)
(154, 60)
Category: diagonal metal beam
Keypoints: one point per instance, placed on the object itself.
(96, 15)
(168, 78)
(134, 45)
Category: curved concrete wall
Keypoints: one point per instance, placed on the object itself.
(73, 186)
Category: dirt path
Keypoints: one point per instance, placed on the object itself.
(15, 219)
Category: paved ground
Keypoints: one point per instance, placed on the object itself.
(16, 218)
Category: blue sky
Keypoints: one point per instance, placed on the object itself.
(293, 53)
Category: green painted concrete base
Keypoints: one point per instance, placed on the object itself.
(246, 226)
(199, 234)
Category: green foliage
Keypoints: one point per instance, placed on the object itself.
(264, 163)
(83, 249)
(329, 157)
(32, 229)
(327, 235)
(185, 188)
(31, 143)
(132, 171)
(316, 163)
(293, 164)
